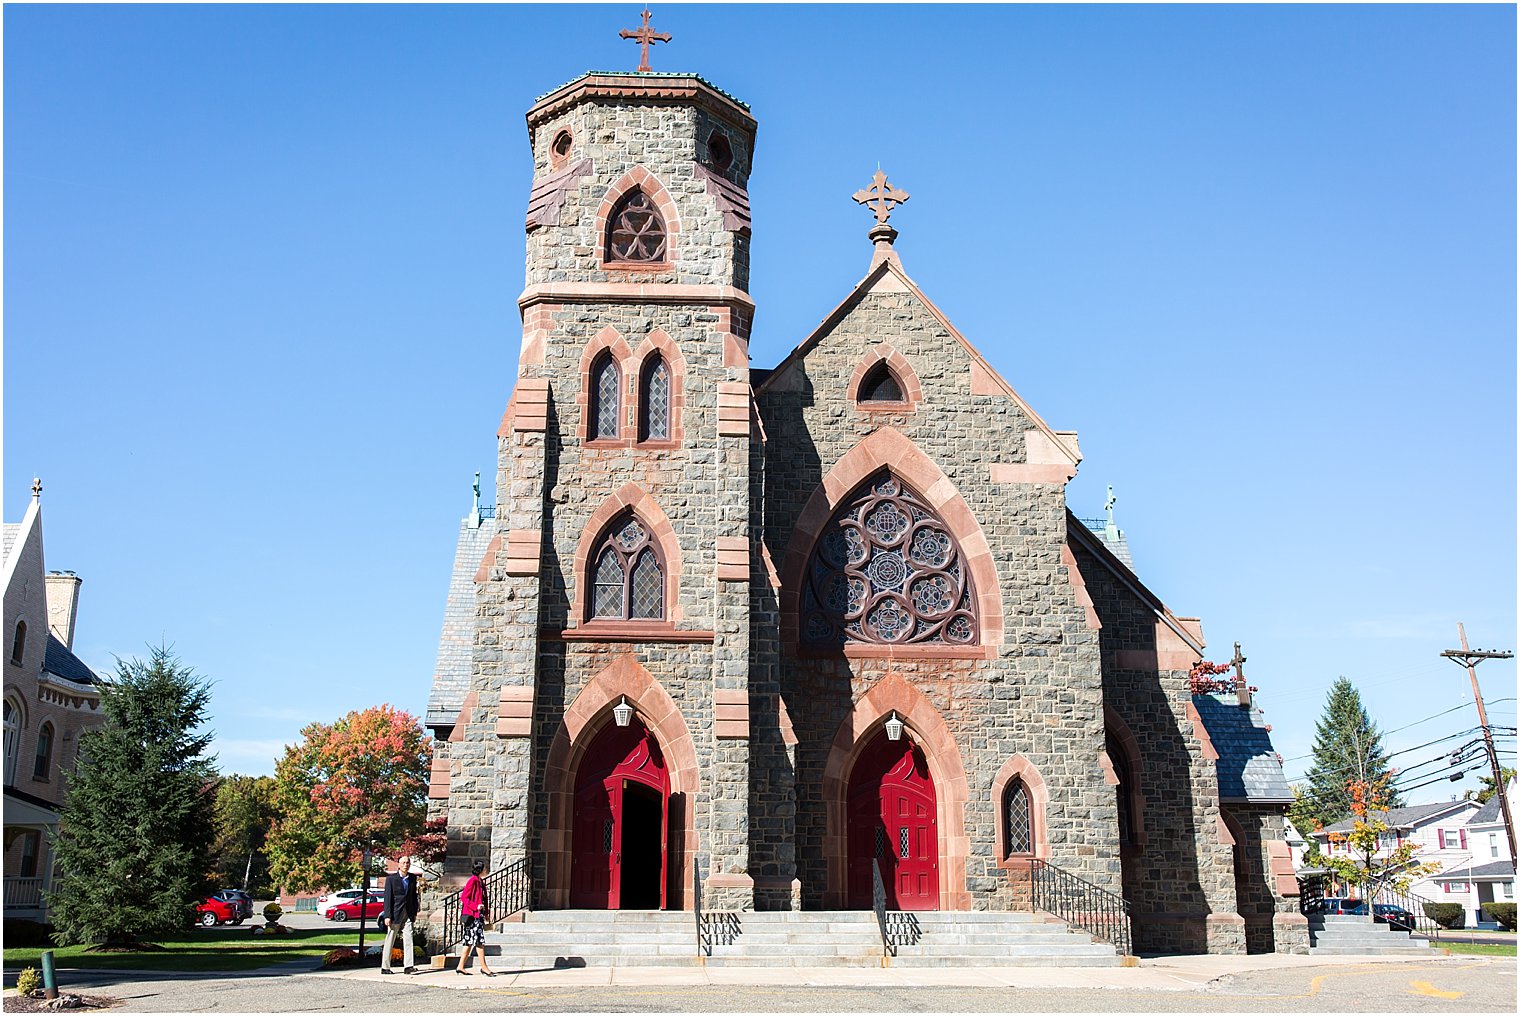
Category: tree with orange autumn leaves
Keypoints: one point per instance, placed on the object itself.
(354, 785)
(1365, 856)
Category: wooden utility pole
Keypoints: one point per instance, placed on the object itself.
(1470, 658)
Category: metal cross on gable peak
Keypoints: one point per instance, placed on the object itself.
(881, 197)
(644, 35)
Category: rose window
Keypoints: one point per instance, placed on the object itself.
(886, 570)
(636, 231)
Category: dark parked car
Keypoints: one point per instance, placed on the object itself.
(1343, 905)
(243, 900)
(1393, 915)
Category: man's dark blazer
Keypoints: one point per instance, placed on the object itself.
(400, 898)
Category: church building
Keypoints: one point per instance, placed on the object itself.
(769, 634)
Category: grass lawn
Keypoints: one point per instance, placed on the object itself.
(1478, 948)
(203, 949)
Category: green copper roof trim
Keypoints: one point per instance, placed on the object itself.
(647, 74)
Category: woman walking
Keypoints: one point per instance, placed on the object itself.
(472, 907)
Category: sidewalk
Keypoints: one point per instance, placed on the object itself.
(1171, 973)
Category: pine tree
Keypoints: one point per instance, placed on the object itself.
(1347, 747)
(135, 833)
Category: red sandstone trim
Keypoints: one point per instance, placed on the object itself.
(650, 184)
(659, 342)
(630, 495)
(889, 447)
(1079, 585)
(488, 560)
(930, 732)
(592, 710)
(1134, 759)
(1019, 767)
(730, 713)
(608, 339)
(514, 711)
(625, 631)
(1200, 732)
(907, 381)
(636, 292)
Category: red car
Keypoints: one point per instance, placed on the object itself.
(348, 910)
(214, 910)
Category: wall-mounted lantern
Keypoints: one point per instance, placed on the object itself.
(894, 727)
(622, 712)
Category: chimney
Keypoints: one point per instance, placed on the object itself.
(62, 605)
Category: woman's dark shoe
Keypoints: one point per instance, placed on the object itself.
(464, 972)
(489, 973)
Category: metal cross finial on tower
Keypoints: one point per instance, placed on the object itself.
(645, 35)
(1108, 506)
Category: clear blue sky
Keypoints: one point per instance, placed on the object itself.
(261, 266)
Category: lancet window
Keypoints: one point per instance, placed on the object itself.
(627, 576)
(654, 402)
(887, 571)
(604, 397)
(880, 385)
(1018, 819)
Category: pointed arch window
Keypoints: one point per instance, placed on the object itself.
(635, 230)
(12, 738)
(887, 571)
(1119, 759)
(654, 401)
(1018, 819)
(881, 385)
(44, 762)
(604, 397)
(18, 643)
(628, 577)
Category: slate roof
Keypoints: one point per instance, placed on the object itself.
(12, 530)
(1249, 768)
(456, 646)
(1487, 814)
(60, 662)
(1400, 818)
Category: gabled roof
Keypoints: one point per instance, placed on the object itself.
(892, 266)
(60, 661)
(1479, 872)
(456, 646)
(1490, 812)
(1404, 818)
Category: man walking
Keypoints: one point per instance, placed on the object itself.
(400, 910)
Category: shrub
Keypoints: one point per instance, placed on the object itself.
(21, 933)
(1504, 913)
(1447, 915)
(28, 981)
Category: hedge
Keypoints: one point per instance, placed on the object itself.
(1448, 915)
(1504, 913)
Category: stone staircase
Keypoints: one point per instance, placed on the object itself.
(1351, 935)
(839, 938)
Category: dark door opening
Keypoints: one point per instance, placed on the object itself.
(643, 851)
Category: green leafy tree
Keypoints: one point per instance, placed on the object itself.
(1367, 856)
(1347, 748)
(244, 812)
(354, 785)
(1486, 786)
(1301, 813)
(135, 834)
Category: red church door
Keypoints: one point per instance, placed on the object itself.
(618, 836)
(891, 810)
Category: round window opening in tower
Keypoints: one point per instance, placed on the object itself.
(560, 150)
(719, 155)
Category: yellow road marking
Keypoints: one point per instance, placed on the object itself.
(1426, 988)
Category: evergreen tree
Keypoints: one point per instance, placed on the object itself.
(135, 833)
(1347, 748)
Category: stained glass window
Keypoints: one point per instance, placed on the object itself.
(604, 392)
(886, 570)
(629, 580)
(654, 406)
(880, 385)
(1016, 813)
(636, 232)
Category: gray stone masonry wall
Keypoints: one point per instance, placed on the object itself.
(666, 140)
(1255, 888)
(1182, 873)
(1042, 694)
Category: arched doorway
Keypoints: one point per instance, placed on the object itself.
(622, 795)
(891, 812)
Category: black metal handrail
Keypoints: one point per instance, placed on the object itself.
(704, 941)
(508, 890)
(1078, 902)
(879, 904)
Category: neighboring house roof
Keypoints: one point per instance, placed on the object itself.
(1402, 818)
(456, 646)
(1492, 871)
(1249, 768)
(1490, 814)
(12, 530)
(59, 661)
(15, 816)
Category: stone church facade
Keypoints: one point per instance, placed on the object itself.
(793, 624)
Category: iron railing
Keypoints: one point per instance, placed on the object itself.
(879, 904)
(1312, 887)
(714, 927)
(487, 511)
(1078, 902)
(508, 890)
(704, 940)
